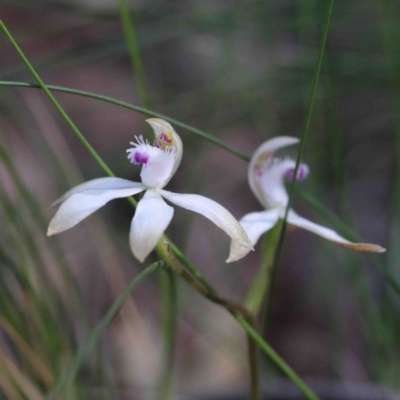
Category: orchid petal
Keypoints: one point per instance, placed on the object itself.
(151, 218)
(166, 136)
(215, 213)
(159, 169)
(263, 153)
(159, 126)
(255, 224)
(81, 202)
(331, 235)
(158, 162)
(102, 184)
(271, 181)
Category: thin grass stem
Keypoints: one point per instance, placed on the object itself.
(277, 360)
(306, 126)
(134, 53)
(144, 111)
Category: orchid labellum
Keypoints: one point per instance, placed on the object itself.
(159, 163)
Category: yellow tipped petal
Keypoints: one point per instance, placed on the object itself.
(362, 247)
(331, 235)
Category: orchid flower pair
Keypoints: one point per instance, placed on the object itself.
(159, 163)
(266, 176)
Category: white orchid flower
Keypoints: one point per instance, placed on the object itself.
(153, 215)
(266, 177)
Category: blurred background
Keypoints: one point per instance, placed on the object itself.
(242, 71)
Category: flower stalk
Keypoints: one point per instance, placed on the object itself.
(165, 251)
(169, 305)
(254, 388)
(262, 280)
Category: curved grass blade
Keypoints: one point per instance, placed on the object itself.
(129, 106)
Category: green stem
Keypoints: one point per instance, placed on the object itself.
(137, 64)
(261, 283)
(144, 111)
(165, 251)
(180, 256)
(277, 360)
(253, 364)
(63, 381)
(169, 309)
(301, 145)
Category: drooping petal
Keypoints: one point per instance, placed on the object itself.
(102, 184)
(255, 224)
(265, 153)
(327, 233)
(165, 136)
(151, 218)
(81, 202)
(215, 213)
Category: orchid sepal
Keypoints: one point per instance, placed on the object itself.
(85, 199)
(330, 234)
(217, 214)
(151, 219)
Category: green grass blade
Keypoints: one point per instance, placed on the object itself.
(63, 381)
(278, 361)
(137, 64)
(299, 154)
